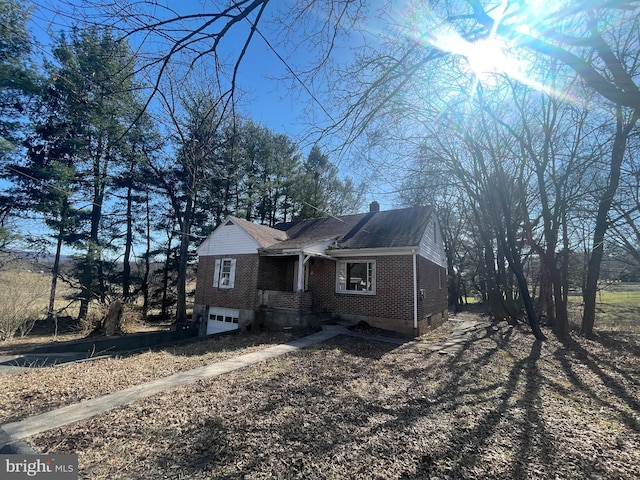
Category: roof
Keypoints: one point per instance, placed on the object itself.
(264, 235)
(381, 229)
(392, 228)
(399, 228)
(304, 232)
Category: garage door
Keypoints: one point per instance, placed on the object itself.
(222, 320)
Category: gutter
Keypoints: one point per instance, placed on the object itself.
(415, 291)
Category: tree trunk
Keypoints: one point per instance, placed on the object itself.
(93, 247)
(55, 271)
(597, 252)
(165, 281)
(126, 265)
(181, 287)
(147, 264)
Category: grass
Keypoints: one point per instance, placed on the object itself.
(40, 390)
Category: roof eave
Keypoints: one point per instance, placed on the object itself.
(372, 252)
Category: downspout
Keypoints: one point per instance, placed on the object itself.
(415, 292)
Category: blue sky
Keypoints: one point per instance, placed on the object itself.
(266, 100)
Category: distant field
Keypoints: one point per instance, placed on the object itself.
(618, 304)
(24, 293)
(21, 284)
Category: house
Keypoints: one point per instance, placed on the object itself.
(387, 268)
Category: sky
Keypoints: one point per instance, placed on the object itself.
(265, 99)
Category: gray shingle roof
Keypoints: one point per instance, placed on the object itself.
(305, 232)
(264, 235)
(387, 229)
(383, 229)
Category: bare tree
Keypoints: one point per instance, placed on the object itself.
(195, 123)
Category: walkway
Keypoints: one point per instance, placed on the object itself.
(12, 433)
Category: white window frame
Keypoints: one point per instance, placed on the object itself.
(341, 266)
(224, 274)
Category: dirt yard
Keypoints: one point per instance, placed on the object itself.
(505, 406)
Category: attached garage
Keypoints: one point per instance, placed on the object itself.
(222, 320)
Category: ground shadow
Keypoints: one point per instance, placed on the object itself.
(573, 353)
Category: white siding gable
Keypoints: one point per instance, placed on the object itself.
(228, 239)
(432, 246)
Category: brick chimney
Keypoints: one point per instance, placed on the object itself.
(374, 206)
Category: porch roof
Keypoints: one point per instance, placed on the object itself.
(314, 248)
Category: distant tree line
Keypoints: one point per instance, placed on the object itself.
(121, 186)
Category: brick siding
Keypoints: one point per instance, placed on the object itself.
(390, 307)
(288, 300)
(242, 296)
(394, 289)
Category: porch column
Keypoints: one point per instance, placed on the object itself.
(300, 286)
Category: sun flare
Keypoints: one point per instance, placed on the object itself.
(487, 57)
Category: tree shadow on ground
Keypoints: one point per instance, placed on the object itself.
(622, 342)
(575, 354)
(284, 415)
(352, 408)
(521, 390)
(468, 444)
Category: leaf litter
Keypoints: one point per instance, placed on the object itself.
(505, 406)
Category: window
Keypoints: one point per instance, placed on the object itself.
(225, 315)
(356, 277)
(224, 273)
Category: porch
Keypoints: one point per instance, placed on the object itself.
(300, 301)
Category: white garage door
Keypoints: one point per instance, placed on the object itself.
(222, 320)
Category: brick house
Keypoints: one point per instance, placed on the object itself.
(387, 268)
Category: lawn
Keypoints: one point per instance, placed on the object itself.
(506, 406)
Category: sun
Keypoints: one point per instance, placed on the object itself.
(488, 57)
(485, 59)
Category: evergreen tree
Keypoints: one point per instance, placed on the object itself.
(321, 192)
(91, 95)
(18, 85)
(18, 78)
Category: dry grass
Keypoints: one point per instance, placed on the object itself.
(16, 345)
(23, 300)
(504, 407)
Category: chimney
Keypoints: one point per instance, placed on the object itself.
(374, 206)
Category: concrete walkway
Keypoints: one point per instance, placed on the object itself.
(12, 433)
(460, 336)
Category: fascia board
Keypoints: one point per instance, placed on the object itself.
(368, 252)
